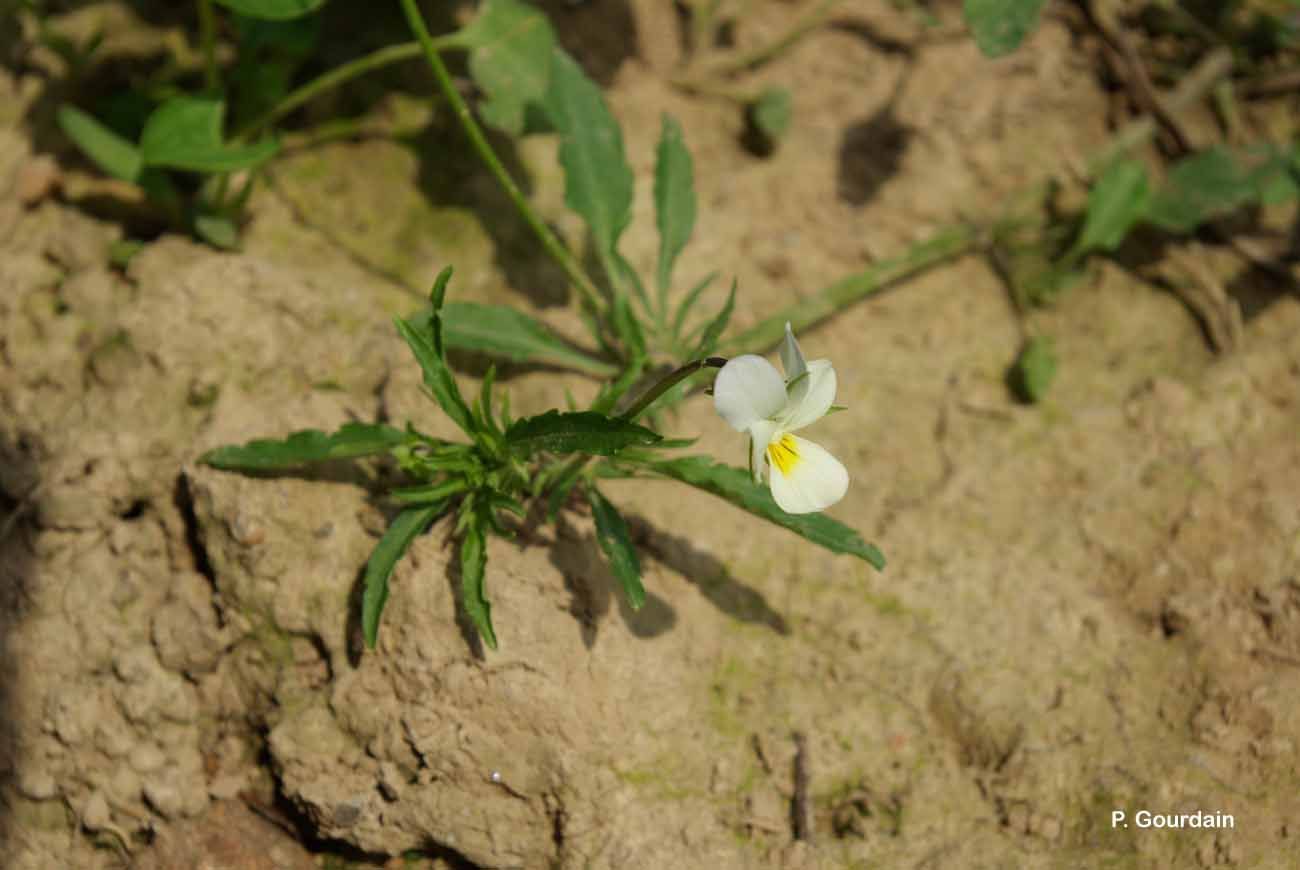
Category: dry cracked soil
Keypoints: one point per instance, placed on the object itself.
(1091, 605)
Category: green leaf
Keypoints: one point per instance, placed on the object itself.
(273, 10)
(679, 319)
(185, 133)
(597, 177)
(713, 331)
(737, 486)
(771, 113)
(674, 199)
(1200, 187)
(217, 230)
(423, 334)
(585, 431)
(473, 562)
(307, 446)
(391, 547)
(611, 532)
(111, 153)
(505, 332)
(1034, 369)
(510, 45)
(1116, 202)
(999, 26)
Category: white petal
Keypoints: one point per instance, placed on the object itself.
(812, 397)
(760, 435)
(791, 356)
(813, 481)
(748, 389)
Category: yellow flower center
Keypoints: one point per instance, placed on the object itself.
(783, 454)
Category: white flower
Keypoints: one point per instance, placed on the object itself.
(750, 395)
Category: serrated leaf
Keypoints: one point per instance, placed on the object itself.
(586, 431)
(999, 26)
(1034, 369)
(185, 133)
(511, 46)
(473, 565)
(737, 486)
(597, 177)
(306, 446)
(391, 547)
(674, 199)
(616, 543)
(1116, 202)
(1201, 187)
(110, 152)
(505, 332)
(273, 10)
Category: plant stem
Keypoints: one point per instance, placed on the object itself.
(668, 383)
(943, 245)
(208, 39)
(550, 242)
(811, 20)
(389, 54)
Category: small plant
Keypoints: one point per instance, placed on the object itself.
(507, 463)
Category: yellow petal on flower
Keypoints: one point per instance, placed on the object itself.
(804, 476)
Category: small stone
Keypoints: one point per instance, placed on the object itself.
(37, 179)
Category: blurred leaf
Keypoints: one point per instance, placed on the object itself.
(185, 133)
(1274, 179)
(111, 153)
(737, 486)
(679, 320)
(585, 431)
(473, 564)
(505, 332)
(423, 334)
(391, 547)
(121, 252)
(611, 532)
(510, 45)
(597, 177)
(217, 230)
(306, 446)
(1200, 187)
(674, 199)
(1034, 370)
(999, 26)
(1116, 202)
(772, 112)
(273, 10)
(712, 332)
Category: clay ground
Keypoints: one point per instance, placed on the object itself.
(1091, 604)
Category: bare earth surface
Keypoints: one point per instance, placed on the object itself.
(1091, 604)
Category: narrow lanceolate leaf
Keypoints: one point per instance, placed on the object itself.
(510, 47)
(390, 548)
(597, 177)
(585, 431)
(713, 331)
(611, 532)
(737, 486)
(423, 334)
(679, 319)
(505, 332)
(307, 446)
(1116, 202)
(111, 153)
(473, 563)
(273, 10)
(674, 200)
(185, 133)
(999, 26)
